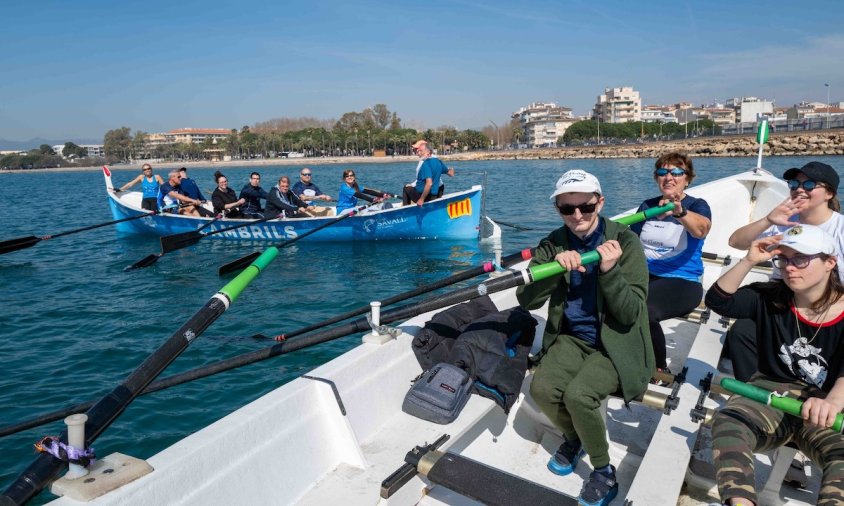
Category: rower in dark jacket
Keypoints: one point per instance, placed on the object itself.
(253, 193)
(283, 202)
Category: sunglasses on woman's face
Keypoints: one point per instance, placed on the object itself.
(568, 209)
(799, 261)
(676, 172)
(807, 185)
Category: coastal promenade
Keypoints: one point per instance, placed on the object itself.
(786, 144)
(815, 143)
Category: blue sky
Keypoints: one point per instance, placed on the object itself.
(78, 69)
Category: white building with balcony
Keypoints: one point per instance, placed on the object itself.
(658, 114)
(542, 123)
(618, 105)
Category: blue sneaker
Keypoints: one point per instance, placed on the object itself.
(599, 490)
(565, 459)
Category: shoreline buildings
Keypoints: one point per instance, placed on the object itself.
(542, 123)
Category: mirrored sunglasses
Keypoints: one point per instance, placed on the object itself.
(676, 172)
(807, 185)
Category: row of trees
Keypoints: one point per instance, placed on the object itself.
(593, 131)
(354, 134)
(46, 157)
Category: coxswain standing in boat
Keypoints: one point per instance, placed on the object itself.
(673, 243)
(149, 185)
(224, 199)
(282, 202)
(253, 193)
(190, 188)
(596, 340)
(427, 178)
(799, 322)
(813, 201)
(171, 193)
(306, 190)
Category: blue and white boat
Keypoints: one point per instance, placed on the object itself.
(454, 216)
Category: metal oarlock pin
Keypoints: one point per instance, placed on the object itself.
(380, 333)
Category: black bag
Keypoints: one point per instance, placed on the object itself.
(438, 394)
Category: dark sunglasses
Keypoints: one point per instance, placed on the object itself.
(568, 209)
(306, 174)
(807, 185)
(799, 261)
(676, 172)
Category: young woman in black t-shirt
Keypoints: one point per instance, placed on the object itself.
(799, 327)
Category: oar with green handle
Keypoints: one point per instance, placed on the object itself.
(785, 404)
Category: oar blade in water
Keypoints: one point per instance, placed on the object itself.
(144, 262)
(239, 264)
(178, 241)
(19, 243)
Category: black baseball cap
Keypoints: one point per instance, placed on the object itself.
(817, 171)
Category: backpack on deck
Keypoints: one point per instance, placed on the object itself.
(438, 394)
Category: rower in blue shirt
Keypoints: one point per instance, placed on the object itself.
(190, 189)
(189, 185)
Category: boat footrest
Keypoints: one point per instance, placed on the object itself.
(481, 482)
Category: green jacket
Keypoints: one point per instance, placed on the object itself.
(622, 302)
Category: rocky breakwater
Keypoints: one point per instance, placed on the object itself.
(787, 144)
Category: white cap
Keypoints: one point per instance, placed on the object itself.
(809, 240)
(577, 181)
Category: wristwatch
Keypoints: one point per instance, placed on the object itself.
(682, 213)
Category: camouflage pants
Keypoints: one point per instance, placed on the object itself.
(744, 426)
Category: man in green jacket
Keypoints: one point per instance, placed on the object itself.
(596, 340)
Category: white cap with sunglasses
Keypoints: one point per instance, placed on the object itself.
(809, 240)
(577, 181)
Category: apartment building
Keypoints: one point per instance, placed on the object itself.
(750, 109)
(198, 135)
(618, 105)
(92, 149)
(542, 123)
(658, 114)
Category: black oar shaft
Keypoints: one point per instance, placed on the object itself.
(211, 369)
(106, 410)
(26, 242)
(504, 282)
(91, 227)
(45, 467)
(240, 263)
(430, 287)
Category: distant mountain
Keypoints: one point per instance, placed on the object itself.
(6, 144)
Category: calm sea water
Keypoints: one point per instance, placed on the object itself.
(74, 325)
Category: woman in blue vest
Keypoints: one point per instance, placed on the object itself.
(149, 184)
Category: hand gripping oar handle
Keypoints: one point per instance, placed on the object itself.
(784, 404)
(554, 268)
(45, 467)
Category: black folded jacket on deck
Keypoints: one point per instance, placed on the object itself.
(491, 345)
